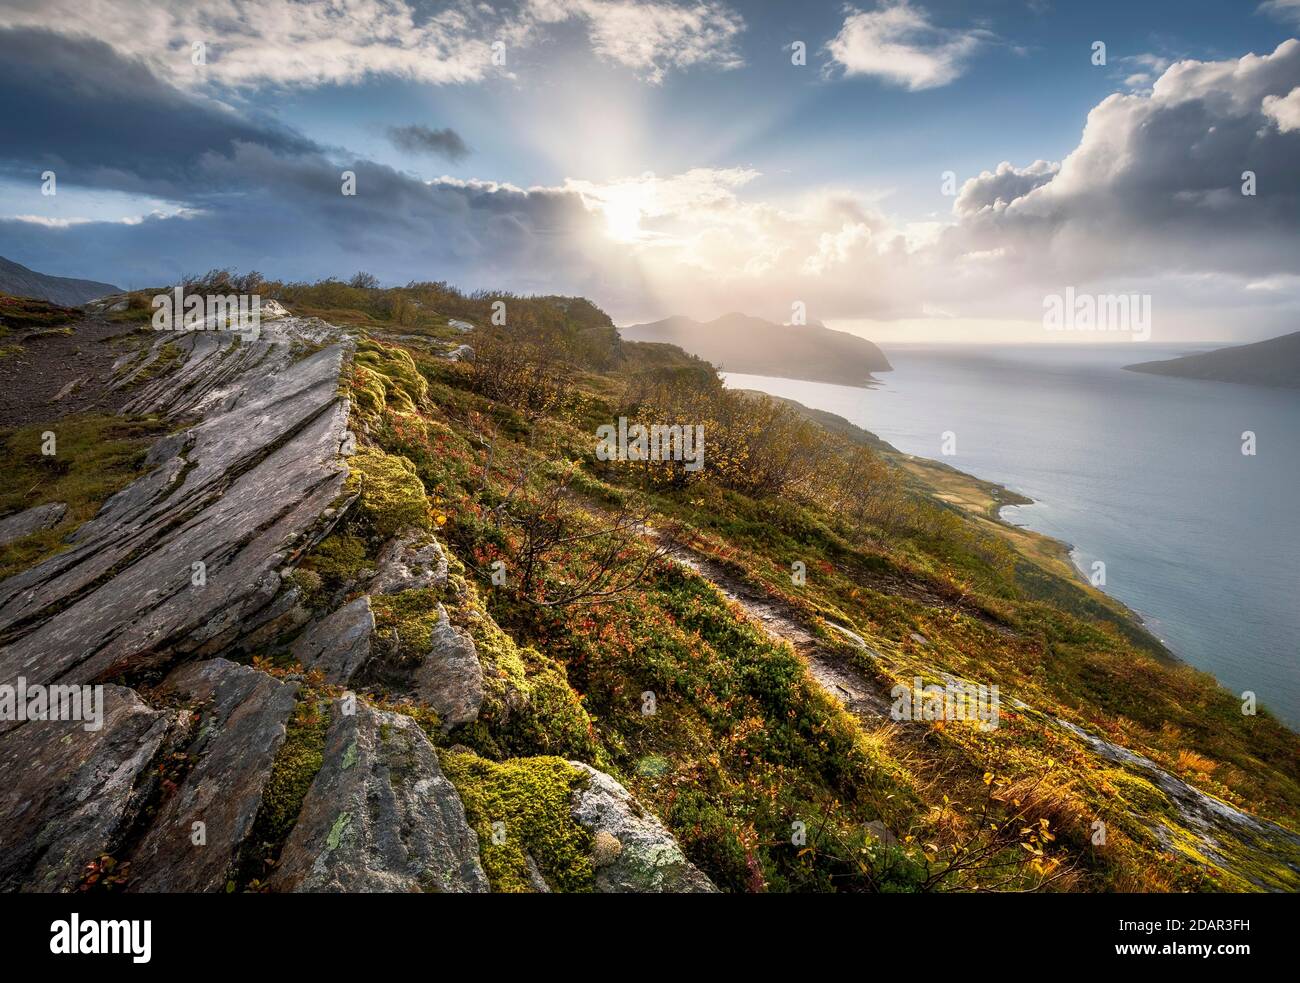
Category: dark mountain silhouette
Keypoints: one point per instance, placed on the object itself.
(1275, 362)
(18, 280)
(740, 343)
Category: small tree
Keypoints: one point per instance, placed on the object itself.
(560, 554)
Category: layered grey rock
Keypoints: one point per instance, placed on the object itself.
(1211, 819)
(635, 853)
(20, 524)
(410, 560)
(460, 353)
(69, 793)
(339, 644)
(242, 718)
(243, 492)
(380, 815)
(451, 678)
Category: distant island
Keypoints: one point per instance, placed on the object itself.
(1275, 362)
(740, 343)
(18, 280)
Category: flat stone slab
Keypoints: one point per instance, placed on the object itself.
(380, 815)
(20, 524)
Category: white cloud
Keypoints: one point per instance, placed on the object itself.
(289, 42)
(318, 42)
(995, 190)
(1284, 110)
(652, 37)
(898, 43)
(1282, 9)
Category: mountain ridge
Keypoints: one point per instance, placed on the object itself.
(740, 342)
(1274, 362)
(22, 281)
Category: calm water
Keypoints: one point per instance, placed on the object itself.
(1142, 472)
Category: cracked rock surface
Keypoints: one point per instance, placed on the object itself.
(647, 858)
(380, 815)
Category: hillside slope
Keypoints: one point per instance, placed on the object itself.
(365, 581)
(21, 282)
(1275, 362)
(739, 343)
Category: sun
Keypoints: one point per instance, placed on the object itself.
(622, 217)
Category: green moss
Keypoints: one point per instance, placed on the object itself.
(296, 765)
(553, 720)
(168, 355)
(410, 616)
(384, 378)
(392, 495)
(95, 456)
(521, 808)
(336, 561)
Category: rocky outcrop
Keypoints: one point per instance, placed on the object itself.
(339, 644)
(380, 815)
(178, 581)
(70, 793)
(1215, 824)
(194, 842)
(20, 524)
(451, 678)
(633, 850)
(179, 562)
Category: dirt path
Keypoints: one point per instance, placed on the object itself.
(836, 674)
(1208, 818)
(55, 375)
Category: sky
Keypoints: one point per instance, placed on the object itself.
(910, 170)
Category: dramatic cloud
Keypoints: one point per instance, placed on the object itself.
(1156, 183)
(317, 42)
(417, 139)
(899, 44)
(1287, 10)
(100, 120)
(653, 37)
(1151, 199)
(1284, 110)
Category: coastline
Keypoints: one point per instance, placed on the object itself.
(984, 501)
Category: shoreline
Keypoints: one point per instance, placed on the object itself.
(984, 501)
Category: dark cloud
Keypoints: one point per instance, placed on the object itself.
(256, 194)
(100, 120)
(1155, 185)
(287, 217)
(417, 139)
